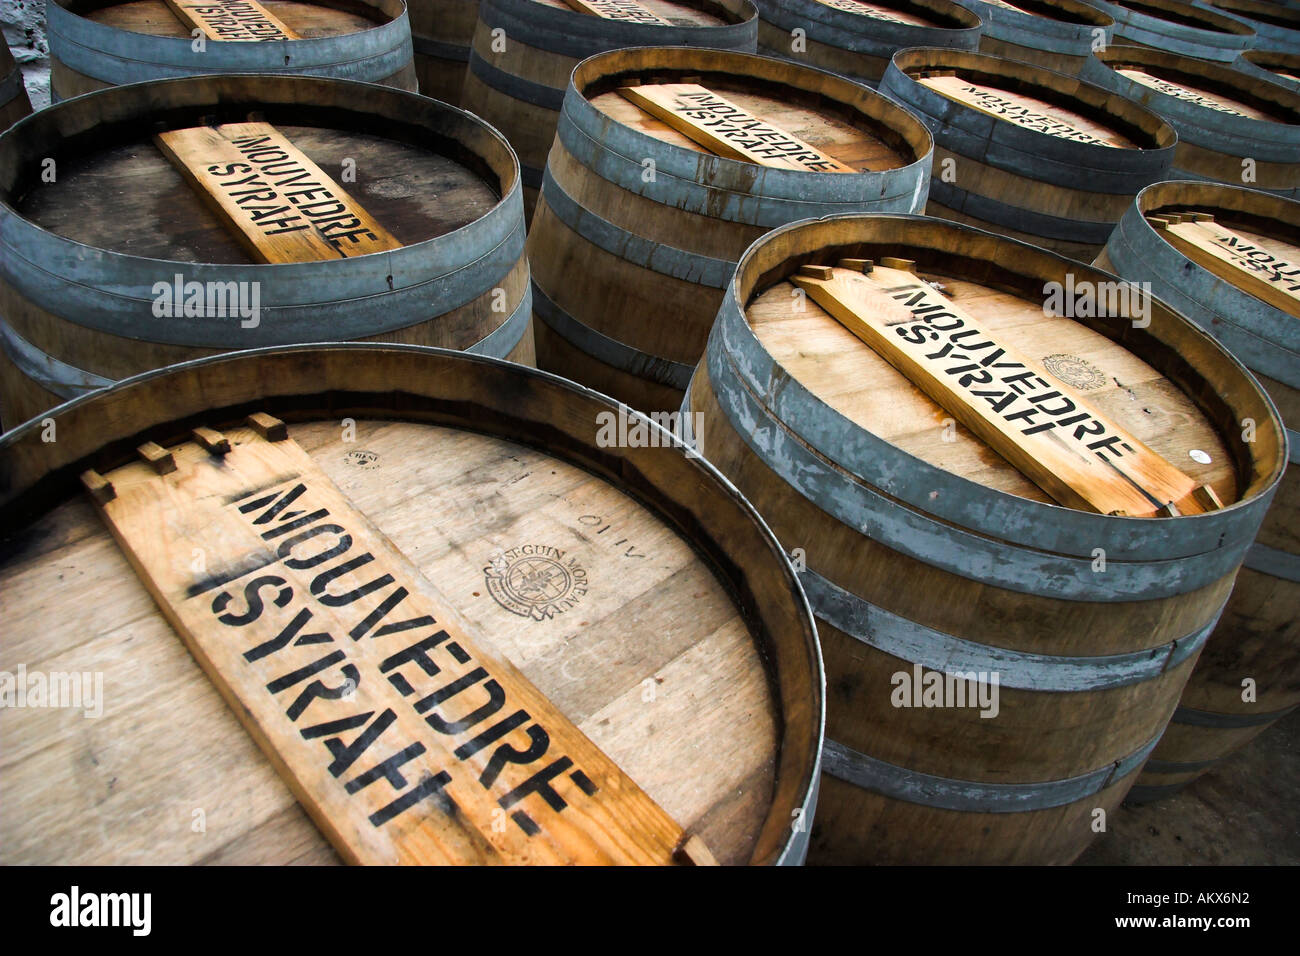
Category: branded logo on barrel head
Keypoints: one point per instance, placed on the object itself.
(536, 580)
(1074, 371)
(360, 458)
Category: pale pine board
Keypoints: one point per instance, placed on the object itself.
(1025, 111)
(297, 214)
(1236, 258)
(240, 513)
(693, 110)
(628, 11)
(225, 20)
(1212, 101)
(1124, 477)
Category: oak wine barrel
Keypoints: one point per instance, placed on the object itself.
(998, 666)
(112, 263)
(524, 50)
(856, 38)
(628, 268)
(1179, 27)
(1056, 34)
(1232, 128)
(1276, 27)
(440, 34)
(1027, 152)
(1249, 673)
(635, 591)
(99, 43)
(1272, 65)
(14, 102)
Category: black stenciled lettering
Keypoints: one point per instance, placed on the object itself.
(321, 582)
(540, 741)
(286, 635)
(417, 653)
(496, 700)
(252, 600)
(319, 689)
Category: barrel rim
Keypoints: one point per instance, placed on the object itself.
(26, 461)
(1092, 15)
(781, 183)
(507, 186)
(900, 83)
(570, 23)
(860, 34)
(1219, 23)
(1187, 535)
(1102, 69)
(394, 10)
(1236, 312)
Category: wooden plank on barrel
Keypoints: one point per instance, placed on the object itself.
(231, 20)
(403, 737)
(626, 10)
(878, 12)
(1025, 111)
(1211, 101)
(727, 130)
(1237, 259)
(279, 204)
(1054, 438)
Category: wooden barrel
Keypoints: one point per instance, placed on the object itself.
(1276, 27)
(856, 39)
(1231, 128)
(1034, 159)
(118, 265)
(613, 251)
(1056, 34)
(1255, 651)
(14, 103)
(1271, 65)
(670, 631)
(99, 43)
(1179, 27)
(440, 34)
(524, 50)
(929, 558)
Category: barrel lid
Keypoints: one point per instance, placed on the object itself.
(238, 21)
(631, 502)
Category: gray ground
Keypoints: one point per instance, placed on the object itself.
(1245, 812)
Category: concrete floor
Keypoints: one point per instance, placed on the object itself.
(1247, 811)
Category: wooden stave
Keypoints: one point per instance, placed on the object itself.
(1203, 134)
(1043, 40)
(1261, 64)
(860, 47)
(1221, 39)
(1268, 35)
(559, 40)
(753, 472)
(1253, 638)
(43, 309)
(14, 102)
(685, 189)
(972, 137)
(441, 31)
(86, 55)
(439, 386)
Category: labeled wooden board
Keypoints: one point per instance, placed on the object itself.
(724, 128)
(403, 738)
(1025, 111)
(1211, 101)
(626, 10)
(1236, 259)
(1011, 6)
(279, 204)
(878, 12)
(1053, 436)
(225, 20)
